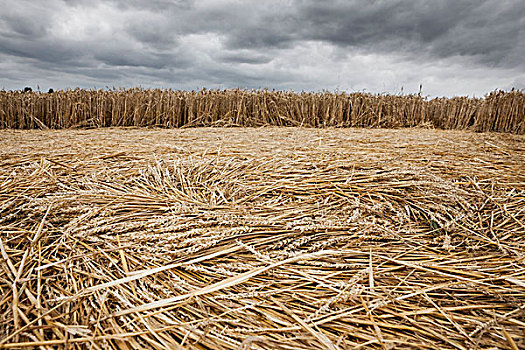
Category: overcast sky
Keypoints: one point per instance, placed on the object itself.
(451, 47)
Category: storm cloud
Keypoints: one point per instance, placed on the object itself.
(450, 47)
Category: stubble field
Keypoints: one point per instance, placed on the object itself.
(262, 238)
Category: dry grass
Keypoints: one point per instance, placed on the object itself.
(268, 238)
(499, 111)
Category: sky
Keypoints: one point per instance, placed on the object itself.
(449, 47)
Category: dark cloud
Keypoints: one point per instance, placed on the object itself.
(246, 56)
(359, 23)
(20, 25)
(153, 34)
(452, 47)
(152, 5)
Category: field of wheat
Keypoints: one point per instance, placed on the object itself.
(258, 238)
(498, 111)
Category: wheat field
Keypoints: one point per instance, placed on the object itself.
(498, 111)
(261, 238)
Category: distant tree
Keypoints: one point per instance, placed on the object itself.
(27, 89)
(50, 91)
